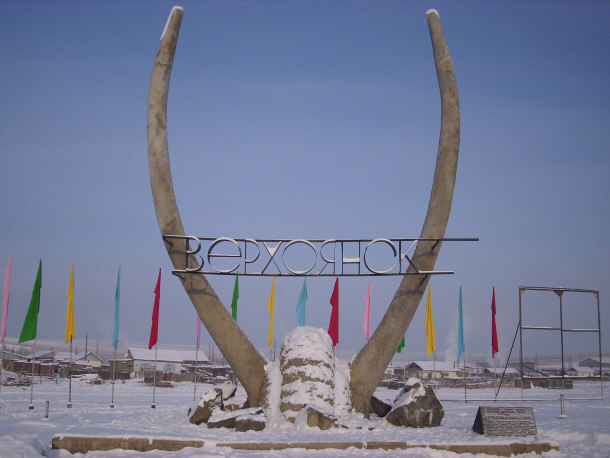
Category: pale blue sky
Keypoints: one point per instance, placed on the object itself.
(304, 120)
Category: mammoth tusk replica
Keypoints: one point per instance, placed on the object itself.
(368, 366)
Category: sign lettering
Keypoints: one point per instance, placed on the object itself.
(300, 257)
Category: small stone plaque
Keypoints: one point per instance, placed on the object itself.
(505, 421)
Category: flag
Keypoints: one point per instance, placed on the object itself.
(155, 316)
(366, 325)
(70, 312)
(117, 298)
(7, 281)
(301, 304)
(28, 332)
(401, 345)
(494, 335)
(333, 327)
(461, 346)
(270, 306)
(198, 331)
(430, 343)
(234, 300)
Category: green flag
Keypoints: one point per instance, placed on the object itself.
(235, 297)
(28, 332)
(401, 345)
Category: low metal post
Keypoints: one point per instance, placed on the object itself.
(561, 400)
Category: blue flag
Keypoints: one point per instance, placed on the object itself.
(461, 346)
(117, 296)
(301, 304)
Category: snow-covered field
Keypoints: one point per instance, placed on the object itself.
(24, 432)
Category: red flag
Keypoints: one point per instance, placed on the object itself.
(333, 328)
(494, 335)
(155, 316)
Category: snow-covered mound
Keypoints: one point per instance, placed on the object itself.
(307, 368)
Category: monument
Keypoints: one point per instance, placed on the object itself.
(250, 367)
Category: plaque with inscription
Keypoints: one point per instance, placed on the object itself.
(505, 421)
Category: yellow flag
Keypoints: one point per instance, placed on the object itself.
(270, 308)
(70, 313)
(430, 344)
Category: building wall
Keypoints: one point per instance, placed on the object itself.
(162, 366)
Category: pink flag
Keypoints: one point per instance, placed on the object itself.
(494, 334)
(367, 314)
(7, 281)
(155, 316)
(333, 327)
(198, 331)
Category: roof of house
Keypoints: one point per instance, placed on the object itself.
(595, 360)
(173, 356)
(63, 356)
(88, 356)
(16, 356)
(41, 353)
(500, 370)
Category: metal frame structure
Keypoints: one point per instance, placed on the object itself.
(562, 329)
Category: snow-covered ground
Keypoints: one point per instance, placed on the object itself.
(24, 432)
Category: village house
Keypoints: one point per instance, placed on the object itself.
(594, 363)
(9, 357)
(139, 360)
(431, 370)
(509, 374)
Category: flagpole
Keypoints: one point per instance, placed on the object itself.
(69, 406)
(154, 379)
(113, 372)
(31, 406)
(7, 279)
(154, 333)
(115, 332)
(195, 371)
(1, 363)
(465, 374)
(495, 378)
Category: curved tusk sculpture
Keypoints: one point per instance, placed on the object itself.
(369, 364)
(245, 360)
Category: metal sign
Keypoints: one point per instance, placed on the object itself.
(505, 421)
(300, 257)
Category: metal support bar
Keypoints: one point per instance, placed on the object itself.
(520, 400)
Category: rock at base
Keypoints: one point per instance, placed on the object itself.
(314, 417)
(210, 402)
(250, 423)
(236, 403)
(228, 390)
(223, 419)
(416, 407)
(380, 407)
